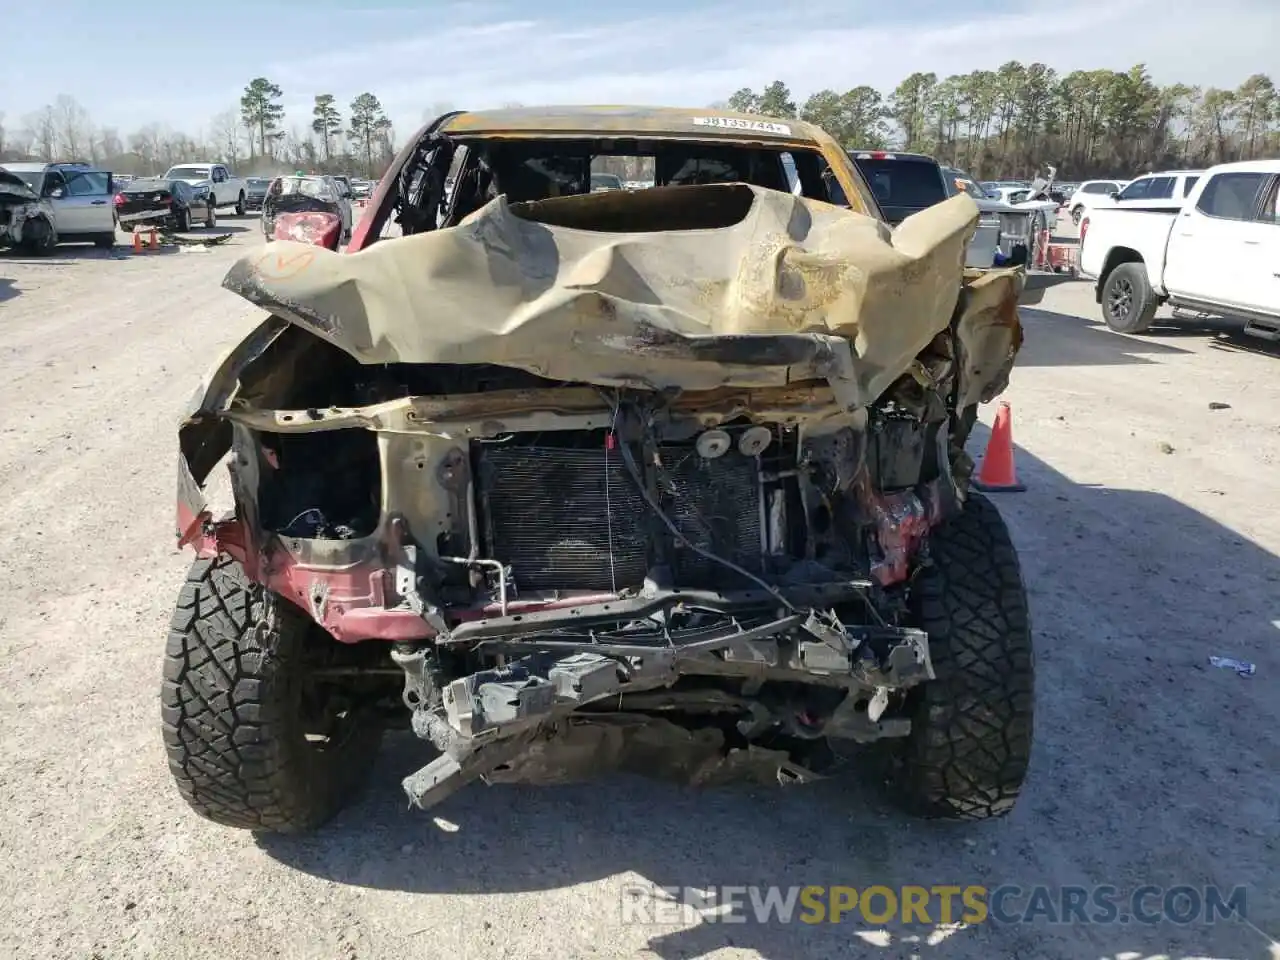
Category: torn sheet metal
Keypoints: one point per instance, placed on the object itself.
(789, 290)
(24, 217)
(989, 333)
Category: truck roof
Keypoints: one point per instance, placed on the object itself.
(635, 121)
(1245, 166)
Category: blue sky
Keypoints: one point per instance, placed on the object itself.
(416, 56)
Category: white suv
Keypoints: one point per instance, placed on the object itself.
(80, 196)
(1093, 193)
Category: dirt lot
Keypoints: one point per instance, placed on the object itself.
(1149, 539)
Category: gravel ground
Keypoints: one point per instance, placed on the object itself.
(1148, 539)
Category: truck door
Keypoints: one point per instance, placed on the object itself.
(218, 177)
(1210, 245)
(1261, 258)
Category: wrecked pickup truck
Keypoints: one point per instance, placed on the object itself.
(669, 481)
(26, 221)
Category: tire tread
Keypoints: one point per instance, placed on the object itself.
(970, 745)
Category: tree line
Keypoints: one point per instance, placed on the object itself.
(1009, 122)
(252, 138)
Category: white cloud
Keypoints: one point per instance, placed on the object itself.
(698, 56)
(484, 53)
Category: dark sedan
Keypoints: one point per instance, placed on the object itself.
(155, 202)
(255, 192)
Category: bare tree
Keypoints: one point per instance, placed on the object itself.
(43, 126)
(224, 131)
(107, 144)
(145, 145)
(75, 130)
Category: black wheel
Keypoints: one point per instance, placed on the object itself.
(38, 237)
(971, 729)
(1076, 215)
(213, 201)
(1128, 302)
(251, 737)
(240, 205)
(210, 217)
(182, 221)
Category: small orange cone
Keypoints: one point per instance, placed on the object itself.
(137, 242)
(997, 473)
(152, 241)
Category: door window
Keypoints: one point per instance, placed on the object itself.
(1186, 187)
(1161, 188)
(1140, 189)
(1231, 196)
(1098, 188)
(88, 184)
(1268, 214)
(53, 181)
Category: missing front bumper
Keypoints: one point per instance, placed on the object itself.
(521, 721)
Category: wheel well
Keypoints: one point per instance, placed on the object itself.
(1117, 256)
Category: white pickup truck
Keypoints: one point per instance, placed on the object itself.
(226, 188)
(1218, 254)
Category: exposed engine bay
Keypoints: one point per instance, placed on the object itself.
(631, 480)
(25, 219)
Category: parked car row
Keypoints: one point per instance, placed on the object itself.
(44, 204)
(906, 183)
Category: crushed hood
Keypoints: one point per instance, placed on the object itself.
(684, 287)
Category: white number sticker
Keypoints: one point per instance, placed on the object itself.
(733, 123)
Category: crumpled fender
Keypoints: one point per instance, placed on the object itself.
(203, 436)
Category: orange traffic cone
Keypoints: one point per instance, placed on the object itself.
(997, 473)
(137, 242)
(152, 242)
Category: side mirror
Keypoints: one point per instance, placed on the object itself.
(1115, 194)
(57, 193)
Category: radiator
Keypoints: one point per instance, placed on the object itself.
(572, 519)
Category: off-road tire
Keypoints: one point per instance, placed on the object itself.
(230, 706)
(210, 218)
(240, 205)
(182, 222)
(971, 731)
(1128, 303)
(1077, 214)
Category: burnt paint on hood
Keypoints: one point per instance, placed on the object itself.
(793, 289)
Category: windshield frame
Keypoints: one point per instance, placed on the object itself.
(177, 173)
